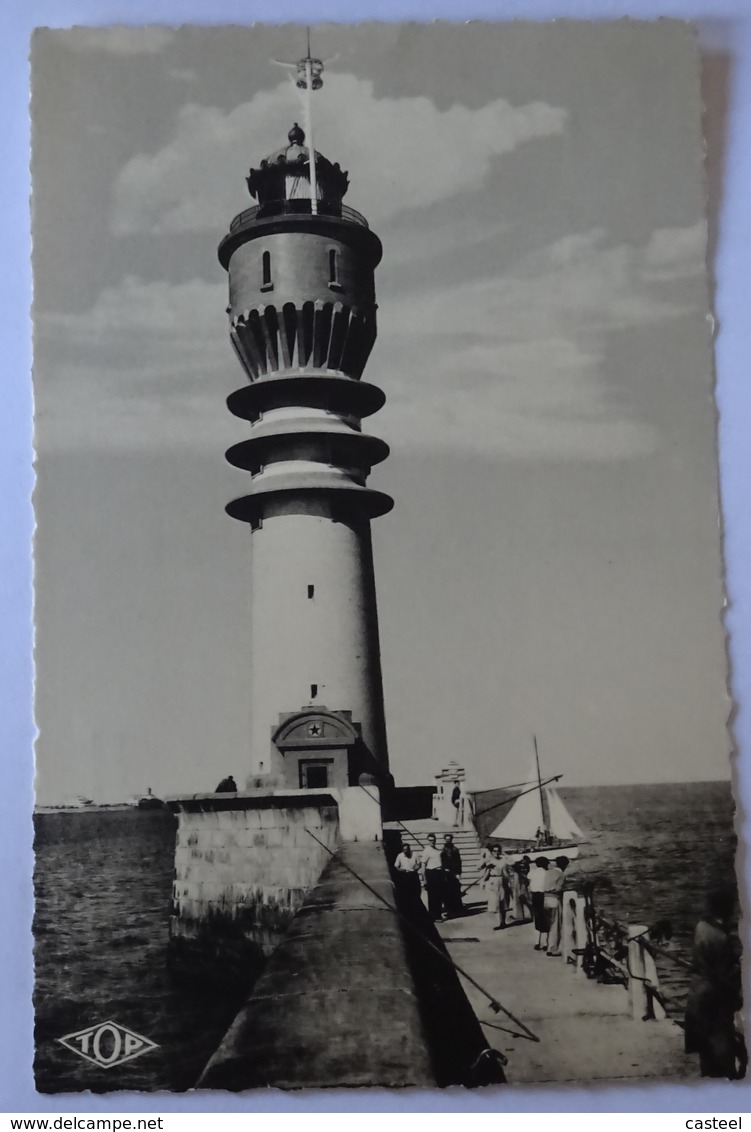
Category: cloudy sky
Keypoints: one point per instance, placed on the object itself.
(552, 563)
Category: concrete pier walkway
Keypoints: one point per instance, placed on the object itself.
(584, 1028)
(316, 1016)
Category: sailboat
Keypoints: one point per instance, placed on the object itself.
(538, 821)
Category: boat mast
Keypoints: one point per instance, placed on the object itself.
(543, 808)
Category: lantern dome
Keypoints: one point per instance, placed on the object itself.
(285, 174)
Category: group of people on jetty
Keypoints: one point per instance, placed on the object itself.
(436, 870)
(521, 890)
(526, 889)
(531, 889)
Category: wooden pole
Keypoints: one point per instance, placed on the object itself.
(569, 927)
(638, 995)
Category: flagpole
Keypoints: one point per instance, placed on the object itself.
(309, 72)
(308, 115)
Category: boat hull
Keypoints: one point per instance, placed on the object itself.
(549, 851)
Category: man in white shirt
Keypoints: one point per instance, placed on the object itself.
(407, 866)
(407, 861)
(432, 872)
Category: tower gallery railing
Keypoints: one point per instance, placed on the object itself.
(296, 207)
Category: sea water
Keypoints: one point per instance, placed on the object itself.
(103, 883)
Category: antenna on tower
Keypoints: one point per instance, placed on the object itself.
(309, 78)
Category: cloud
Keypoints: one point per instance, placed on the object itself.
(119, 40)
(148, 365)
(511, 366)
(409, 244)
(407, 152)
(135, 306)
(182, 74)
(676, 253)
(516, 363)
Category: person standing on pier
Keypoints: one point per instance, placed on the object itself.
(456, 802)
(520, 901)
(553, 903)
(452, 868)
(407, 867)
(486, 856)
(432, 876)
(715, 994)
(537, 875)
(498, 885)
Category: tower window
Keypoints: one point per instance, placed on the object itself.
(334, 283)
(311, 591)
(266, 284)
(313, 691)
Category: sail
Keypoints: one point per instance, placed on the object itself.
(537, 810)
(523, 819)
(562, 825)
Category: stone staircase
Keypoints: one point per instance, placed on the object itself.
(415, 833)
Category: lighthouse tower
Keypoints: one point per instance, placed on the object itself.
(302, 317)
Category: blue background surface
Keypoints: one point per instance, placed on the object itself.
(725, 28)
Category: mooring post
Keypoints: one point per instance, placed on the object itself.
(638, 995)
(656, 1007)
(569, 927)
(580, 928)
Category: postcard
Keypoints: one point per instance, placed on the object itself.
(381, 675)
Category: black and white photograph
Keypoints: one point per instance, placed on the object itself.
(381, 673)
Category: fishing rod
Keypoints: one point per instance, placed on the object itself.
(496, 1006)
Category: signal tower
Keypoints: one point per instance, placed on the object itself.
(302, 316)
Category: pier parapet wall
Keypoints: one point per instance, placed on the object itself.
(244, 864)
